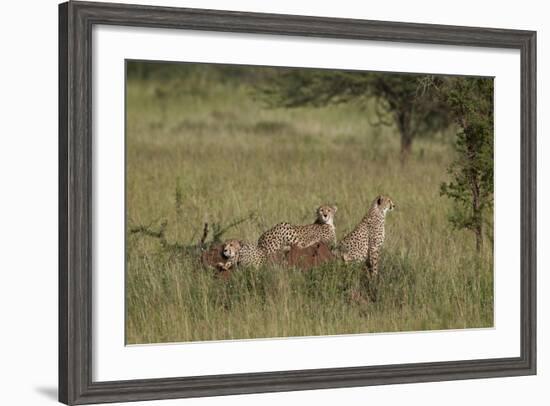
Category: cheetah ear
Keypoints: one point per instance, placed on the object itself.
(379, 200)
(335, 208)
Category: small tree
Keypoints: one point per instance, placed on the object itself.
(471, 185)
(405, 99)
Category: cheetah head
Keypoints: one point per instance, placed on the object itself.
(325, 214)
(384, 204)
(231, 249)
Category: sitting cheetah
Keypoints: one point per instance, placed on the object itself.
(283, 235)
(240, 253)
(365, 241)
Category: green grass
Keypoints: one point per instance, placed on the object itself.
(205, 151)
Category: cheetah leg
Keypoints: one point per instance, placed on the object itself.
(373, 260)
(225, 266)
(345, 257)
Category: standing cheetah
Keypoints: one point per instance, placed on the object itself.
(240, 253)
(283, 235)
(365, 241)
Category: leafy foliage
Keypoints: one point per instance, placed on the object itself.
(471, 185)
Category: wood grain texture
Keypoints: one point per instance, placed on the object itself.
(75, 202)
(63, 365)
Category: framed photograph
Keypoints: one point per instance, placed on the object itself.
(257, 203)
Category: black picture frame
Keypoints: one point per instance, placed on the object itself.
(76, 20)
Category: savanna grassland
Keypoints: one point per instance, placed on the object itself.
(202, 148)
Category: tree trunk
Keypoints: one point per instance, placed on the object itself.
(404, 126)
(479, 236)
(406, 147)
(476, 212)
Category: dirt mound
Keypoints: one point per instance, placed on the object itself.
(307, 258)
(213, 256)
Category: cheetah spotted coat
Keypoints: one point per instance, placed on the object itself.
(284, 235)
(365, 241)
(242, 253)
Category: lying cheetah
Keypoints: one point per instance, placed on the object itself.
(283, 235)
(365, 241)
(240, 253)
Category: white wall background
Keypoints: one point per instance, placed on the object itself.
(28, 200)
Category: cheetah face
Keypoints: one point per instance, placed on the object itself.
(384, 204)
(325, 214)
(231, 248)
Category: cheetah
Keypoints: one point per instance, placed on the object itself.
(365, 241)
(283, 235)
(241, 253)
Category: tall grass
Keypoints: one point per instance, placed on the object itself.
(205, 151)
